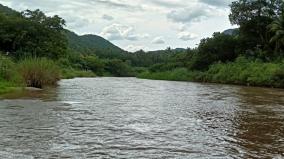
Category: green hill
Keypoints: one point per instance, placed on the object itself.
(90, 43)
(7, 10)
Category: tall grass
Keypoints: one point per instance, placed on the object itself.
(8, 70)
(9, 77)
(39, 72)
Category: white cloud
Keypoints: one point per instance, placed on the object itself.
(134, 48)
(185, 36)
(158, 40)
(124, 21)
(121, 32)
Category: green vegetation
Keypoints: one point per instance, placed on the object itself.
(247, 72)
(180, 74)
(6, 86)
(72, 73)
(39, 72)
(252, 55)
(36, 50)
(242, 71)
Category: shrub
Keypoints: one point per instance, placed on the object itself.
(39, 72)
(8, 71)
(119, 68)
(247, 72)
(179, 74)
(72, 73)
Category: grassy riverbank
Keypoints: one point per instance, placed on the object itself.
(241, 72)
(6, 87)
(34, 72)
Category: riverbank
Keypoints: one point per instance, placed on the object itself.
(240, 72)
(6, 87)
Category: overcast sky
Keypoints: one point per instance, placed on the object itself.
(138, 24)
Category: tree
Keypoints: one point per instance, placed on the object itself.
(253, 17)
(32, 33)
(277, 28)
(54, 23)
(243, 11)
(220, 47)
(94, 64)
(119, 68)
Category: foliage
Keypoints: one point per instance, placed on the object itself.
(32, 34)
(253, 17)
(243, 11)
(39, 72)
(6, 86)
(72, 73)
(119, 68)
(277, 28)
(247, 72)
(94, 64)
(242, 71)
(6, 67)
(180, 74)
(220, 47)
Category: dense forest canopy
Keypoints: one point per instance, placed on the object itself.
(32, 33)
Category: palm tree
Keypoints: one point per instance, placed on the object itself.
(277, 27)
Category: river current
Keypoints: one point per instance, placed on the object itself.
(135, 118)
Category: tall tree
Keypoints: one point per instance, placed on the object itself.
(277, 27)
(32, 33)
(253, 17)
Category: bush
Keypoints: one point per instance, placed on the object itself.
(119, 68)
(8, 70)
(72, 73)
(247, 72)
(39, 72)
(6, 86)
(179, 74)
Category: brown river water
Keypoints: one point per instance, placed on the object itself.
(135, 118)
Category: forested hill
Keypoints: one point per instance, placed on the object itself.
(90, 43)
(7, 10)
(82, 44)
(32, 33)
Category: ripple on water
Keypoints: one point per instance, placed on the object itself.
(133, 118)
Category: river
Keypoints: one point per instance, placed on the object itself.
(136, 118)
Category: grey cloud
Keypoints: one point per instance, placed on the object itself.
(121, 32)
(115, 4)
(188, 15)
(186, 36)
(217, 3)
(168, 4)
(107, 17)
(158, 40)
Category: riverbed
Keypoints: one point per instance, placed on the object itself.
(136, 118)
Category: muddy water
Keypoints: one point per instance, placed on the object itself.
(134, 118)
